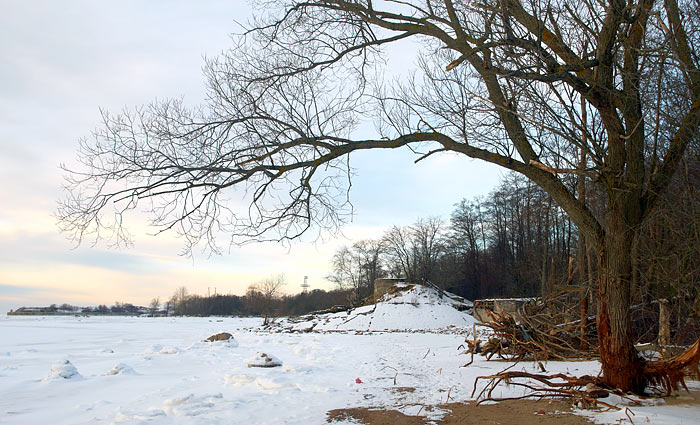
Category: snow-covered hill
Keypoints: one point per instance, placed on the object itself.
(408, 308)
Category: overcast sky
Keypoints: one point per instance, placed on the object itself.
(62, 61)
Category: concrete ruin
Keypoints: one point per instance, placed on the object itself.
(382, 286)
(498, 305)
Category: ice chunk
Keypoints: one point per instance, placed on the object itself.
(239, 380)
(154, 349)
(63, 369)
(121, 369)
(177, 401)
(269, 384)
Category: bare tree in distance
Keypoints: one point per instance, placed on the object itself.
(270, 289)
(169, 307)
(178, 300)
(526, 85)
(154, 305)
(413, 250)
(254, 300)
(428, 245)
(397, 241)
(357, 267)
(347, 273)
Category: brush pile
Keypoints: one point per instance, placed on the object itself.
(547, 329)
(552, 328)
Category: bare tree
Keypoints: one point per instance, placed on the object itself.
(346, 272)
(398, 247)
(269, 290)
(357, 267)
(154, 305)
(178, 300)
(498, 80)
(427, 235)
(414, 249)
(254, 300)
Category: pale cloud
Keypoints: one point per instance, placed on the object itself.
(64, 60)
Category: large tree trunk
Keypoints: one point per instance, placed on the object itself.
(622, 367)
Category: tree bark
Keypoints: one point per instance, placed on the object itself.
(584, 319)
(664, 323)
(544, 286)
(622, 367)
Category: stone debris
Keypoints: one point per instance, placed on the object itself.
(264, 360)
(223, 336)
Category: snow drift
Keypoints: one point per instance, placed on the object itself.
(407, 308)
(63, 369)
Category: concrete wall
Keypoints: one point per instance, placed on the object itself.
(505, 305)
(382, 286)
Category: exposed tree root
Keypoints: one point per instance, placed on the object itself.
(669, 373)
(543, 330)
(586, 391)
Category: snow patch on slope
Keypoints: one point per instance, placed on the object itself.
(411, 308)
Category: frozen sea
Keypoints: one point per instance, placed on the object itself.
(140, 370)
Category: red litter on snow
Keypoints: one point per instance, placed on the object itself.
(358, 380)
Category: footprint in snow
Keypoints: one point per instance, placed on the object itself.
(154, 349)
(238, 380)
(159, 349)
(191, 405)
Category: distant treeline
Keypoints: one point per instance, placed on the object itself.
(260, 300)
(121, 309)
(255, 303)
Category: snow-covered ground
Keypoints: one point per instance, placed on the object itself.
(131, 370)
